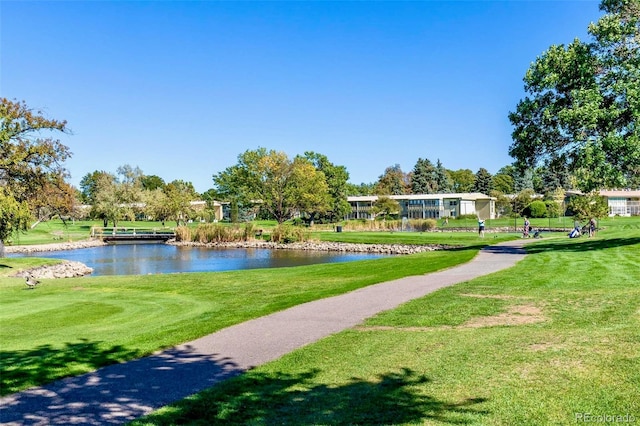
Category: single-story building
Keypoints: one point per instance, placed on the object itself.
(622, 202)
(428, 206)
(200, 205)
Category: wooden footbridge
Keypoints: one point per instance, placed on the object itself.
(131, 235)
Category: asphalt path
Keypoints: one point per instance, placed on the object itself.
(123, 392)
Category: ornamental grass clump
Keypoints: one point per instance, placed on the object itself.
(289, 234)
(422, 225)
(183, 233)
(211, 233)
(418, 225)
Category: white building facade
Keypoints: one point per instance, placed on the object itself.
(428, 206)
(622, 203)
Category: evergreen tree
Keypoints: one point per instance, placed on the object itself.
(483, 182)
(423, 178)
(443, 181)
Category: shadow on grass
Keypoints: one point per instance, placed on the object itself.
(22, 369)
(113, 394)
(277, 398)
(581, 245)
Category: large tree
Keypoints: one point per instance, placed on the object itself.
(29, 161)
(502, 183)
(583, 103)
(106, 203)
(178, 197)
(423, 178)
(483, 181)
(443, 180)
(89, 186)
(462, 180)
(393, 182)
(336, 178)
(281, 186)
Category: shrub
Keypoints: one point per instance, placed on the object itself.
(289, 234)
(423, 225)
(536, 209)
(553, 208)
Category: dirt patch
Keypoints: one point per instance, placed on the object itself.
(489, 296)
(546, 346)
(389, 328)
(515, 315)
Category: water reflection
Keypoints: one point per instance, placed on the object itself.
(142, 259)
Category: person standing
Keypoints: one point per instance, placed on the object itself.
(480, 227)
(527, 225)
(592, 227)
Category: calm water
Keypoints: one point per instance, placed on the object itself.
(142, 259)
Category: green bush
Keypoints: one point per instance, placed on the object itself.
(536, 209)
(553, 208)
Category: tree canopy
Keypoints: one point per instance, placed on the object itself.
(29, 162)
(393, 182)
(583, 103)
(279, 185)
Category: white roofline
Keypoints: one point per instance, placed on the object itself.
(470, 196)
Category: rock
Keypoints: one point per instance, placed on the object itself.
(66, 269)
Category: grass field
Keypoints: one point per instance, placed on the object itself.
(544, 342)
(71, 326)
(551, 341)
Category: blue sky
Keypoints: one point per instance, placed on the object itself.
(180, 89)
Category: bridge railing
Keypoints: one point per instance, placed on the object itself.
(102, 231)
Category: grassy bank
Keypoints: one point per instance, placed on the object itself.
(553, 340)
(71, 326)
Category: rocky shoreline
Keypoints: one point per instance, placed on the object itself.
(322, 246)
(54, 246)
(65, 269)
(69, 269)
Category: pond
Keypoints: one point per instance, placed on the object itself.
(142, 259)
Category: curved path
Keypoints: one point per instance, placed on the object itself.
(120, 393)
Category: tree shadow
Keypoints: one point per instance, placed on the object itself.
(580, 245)
(114, 394)
(34, 367)
(474, 246)
(277, 398)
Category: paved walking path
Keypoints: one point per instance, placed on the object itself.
(120, 393)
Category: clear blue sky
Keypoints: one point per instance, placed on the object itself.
(180, 89)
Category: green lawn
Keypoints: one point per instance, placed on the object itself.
(55, 231)
(544, 343)
(70, 326)
(540, 343)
